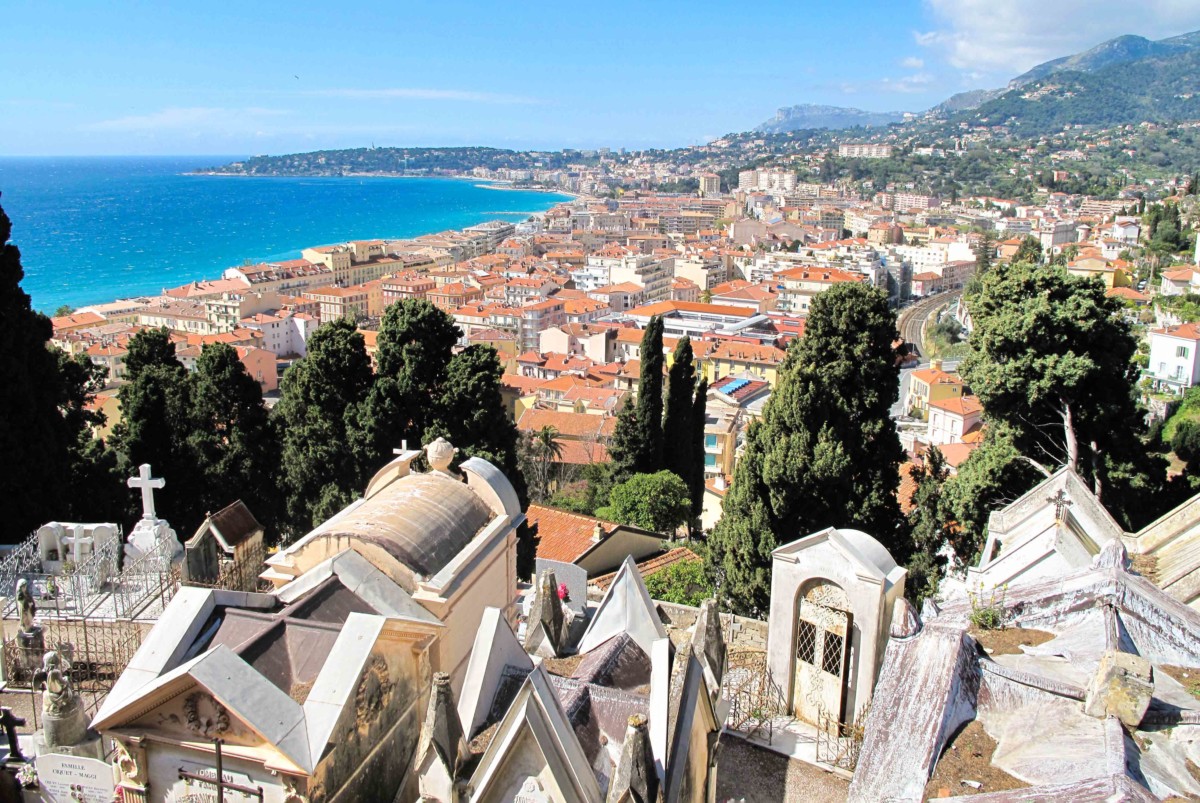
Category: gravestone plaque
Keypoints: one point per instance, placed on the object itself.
(65, 779)
(570, 575)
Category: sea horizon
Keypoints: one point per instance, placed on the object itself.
(93, 229)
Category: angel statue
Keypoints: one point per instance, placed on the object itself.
(26, 607)
(59, 696)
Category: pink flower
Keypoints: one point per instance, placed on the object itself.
(563, 594)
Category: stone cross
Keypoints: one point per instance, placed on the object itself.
(147, 484)
(77, 540)
(403, 448)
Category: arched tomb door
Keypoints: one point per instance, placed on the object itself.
(822, 654)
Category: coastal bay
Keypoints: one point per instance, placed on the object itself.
(99, 228)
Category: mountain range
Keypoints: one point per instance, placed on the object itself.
(1126, 80)
(811, 115)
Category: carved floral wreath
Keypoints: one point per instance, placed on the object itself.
(204, 726)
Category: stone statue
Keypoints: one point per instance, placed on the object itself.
(64, 722)
(60, 696)
(26, 607)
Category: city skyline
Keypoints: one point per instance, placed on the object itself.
(89, 80)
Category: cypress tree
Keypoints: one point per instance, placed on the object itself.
(35, 437)
(232, 440)
(319, 397)
(825, 452)
(677, 417)
(650, 396)
(154, 428)
(695, 475)
(416, 341)
(636, 445)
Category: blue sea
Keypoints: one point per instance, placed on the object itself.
(92, 229)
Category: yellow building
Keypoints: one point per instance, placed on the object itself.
(930, 385)
(1114, 273)
(735, 359)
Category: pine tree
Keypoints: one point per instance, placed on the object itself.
(825, 452)
(318, 407)
(677, 417)
(985, 251)
(1052, 358)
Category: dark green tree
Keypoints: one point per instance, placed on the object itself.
(695, 477)
(415, 344)
(993, 475)
(318, 407)
(149, 347)
(636, 446)
(929, 529)
(985, 252)
(43, 429)
(825, 452)
(154, 428)
(95, 489)
(1052, 357)
(677, 415)
(231, 438)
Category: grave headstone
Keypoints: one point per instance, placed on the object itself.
(573, 577)
(67, 779)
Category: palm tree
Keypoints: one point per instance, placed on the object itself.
(548, 449)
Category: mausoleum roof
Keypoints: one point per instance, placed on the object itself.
(422, 520)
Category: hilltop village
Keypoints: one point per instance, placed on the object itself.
(478, 620)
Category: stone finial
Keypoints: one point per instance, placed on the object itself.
(442, 730)
(708, 642)
(1121, 688)
(440, 454)
(1112, 556)
(543, 632)
(634, 778)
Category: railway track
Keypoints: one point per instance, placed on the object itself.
(912, 319)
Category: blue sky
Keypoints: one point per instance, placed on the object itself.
(252, 77)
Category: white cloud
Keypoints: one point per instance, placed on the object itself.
(1007, 37)
(410, 93)
(192, 118)
(908, 84)
(912, 63)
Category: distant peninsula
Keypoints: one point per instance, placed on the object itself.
(398, 162)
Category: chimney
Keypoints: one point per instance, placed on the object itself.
(935, 364)
(597, 533)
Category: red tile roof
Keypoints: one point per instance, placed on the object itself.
(565, 536)
(651, 566)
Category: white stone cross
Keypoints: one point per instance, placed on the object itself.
(147, 484)
(403, 448)
(77, 540)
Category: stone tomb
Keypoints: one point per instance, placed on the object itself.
(63, 545)
(66, 779)
(832, 596)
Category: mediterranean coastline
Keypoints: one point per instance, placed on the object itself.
(95, 229)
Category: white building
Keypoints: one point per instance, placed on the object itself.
(1175, 356)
